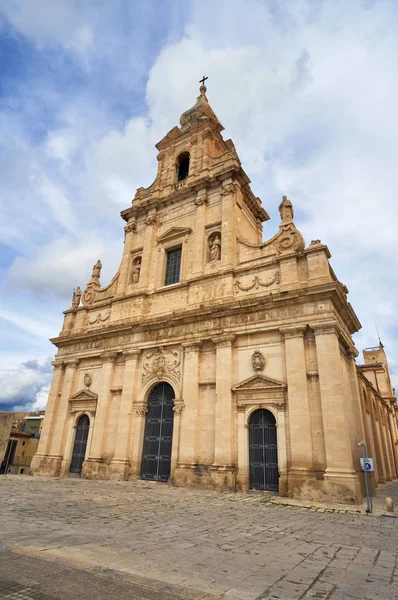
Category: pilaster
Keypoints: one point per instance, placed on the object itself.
(94, 464)
(228, 246)
(120, 464)
(42, 464)
(189, 422)
(224, 468)
(302, 463)
(340, 480)
(200, 238)
(57, 445)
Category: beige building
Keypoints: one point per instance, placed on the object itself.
(213, 358)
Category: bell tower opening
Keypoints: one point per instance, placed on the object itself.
(182, 166)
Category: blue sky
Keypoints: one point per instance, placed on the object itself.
(307, 91)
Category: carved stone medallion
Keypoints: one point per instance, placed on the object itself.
(87, 379)
(258, 361)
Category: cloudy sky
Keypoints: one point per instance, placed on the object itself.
(306, 89)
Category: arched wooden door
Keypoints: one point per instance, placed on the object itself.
(158, 435)
(263, 451)
(80, 444)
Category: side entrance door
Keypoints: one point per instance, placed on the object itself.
(158, 435)
(263, 451)
(79, 447)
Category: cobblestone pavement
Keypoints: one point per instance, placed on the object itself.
(191, 544)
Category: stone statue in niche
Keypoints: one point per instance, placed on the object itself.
(215, 247)
(97, 270)
(258, 361)
(286, 210)
(77, 294)
(136, 270)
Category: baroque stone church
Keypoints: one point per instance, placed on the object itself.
(214, 358)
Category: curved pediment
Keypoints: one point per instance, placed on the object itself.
(258, 382)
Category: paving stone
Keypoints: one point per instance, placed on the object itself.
(206, 543)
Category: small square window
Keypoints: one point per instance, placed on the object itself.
(173, 265)
(23, 443)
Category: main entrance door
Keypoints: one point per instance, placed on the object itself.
(263, 451)
(158, 436)
(79, 447)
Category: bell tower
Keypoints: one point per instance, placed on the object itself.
(193, 207)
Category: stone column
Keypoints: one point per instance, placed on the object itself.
(340, 480)
(94, 462)
(42, 463)
(120, 464)
(300, 431)
(224, 468)
(187, 453)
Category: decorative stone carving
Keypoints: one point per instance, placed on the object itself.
(141, 411)
(258, 361)
(98, 318)
(228, 189)
(136, 270)
(290, 239)
(161, 361)
(215, 246)
(315, 242)
(131, 227)
(200, 200)
(257, 283)
(151, 220)
(241, 407)
(178, 408)
(87, 379)
(77, 294)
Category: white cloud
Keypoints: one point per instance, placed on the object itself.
(306, 91)
(25, 388)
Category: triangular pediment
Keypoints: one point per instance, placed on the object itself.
(174, 232)
(258, 382)
(86, 395)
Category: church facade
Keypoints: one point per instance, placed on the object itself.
(214, 358)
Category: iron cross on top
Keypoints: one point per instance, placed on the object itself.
(202, 81)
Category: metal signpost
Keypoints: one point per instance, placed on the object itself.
(367, 466)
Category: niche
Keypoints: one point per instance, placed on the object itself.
(214, 247)
(136, 269)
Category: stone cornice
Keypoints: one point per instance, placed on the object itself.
(293, 331)
(225, 339)
(230, 307)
